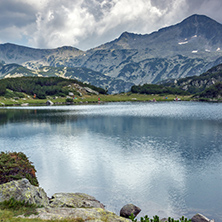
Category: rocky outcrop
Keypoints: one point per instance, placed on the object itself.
(61, 205)
(85, 214)
(75, 200)
(200, 218)
(91, 90)
(129, 209)
(22, 190)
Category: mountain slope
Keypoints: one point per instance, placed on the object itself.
(197, 84)
(78, 73)
(188, 48)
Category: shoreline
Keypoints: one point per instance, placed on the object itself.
(100, 99)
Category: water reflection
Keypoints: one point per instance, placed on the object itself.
(164, 157)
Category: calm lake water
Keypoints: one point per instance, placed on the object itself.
(165, 158)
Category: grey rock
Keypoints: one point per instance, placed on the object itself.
(76, 200)
(23, 190)
(200, 218)
(129, 209)
(91, 90)
(49, 103)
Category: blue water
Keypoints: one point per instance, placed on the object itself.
(164, 157)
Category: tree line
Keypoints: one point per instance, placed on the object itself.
(157, 89)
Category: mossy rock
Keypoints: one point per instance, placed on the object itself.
(75, 200)
(23, 191)
(15, 166)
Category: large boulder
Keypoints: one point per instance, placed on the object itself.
(76, 200)
(83, 214)
(200, 218)
(22, 190)
(129, 209)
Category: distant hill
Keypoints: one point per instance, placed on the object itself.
(188, 48)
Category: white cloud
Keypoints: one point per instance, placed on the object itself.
(63, 23)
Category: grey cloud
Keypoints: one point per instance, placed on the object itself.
(13, 13)
(211, 8)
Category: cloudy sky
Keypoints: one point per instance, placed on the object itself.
(88, 23)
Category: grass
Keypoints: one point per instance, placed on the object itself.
(9, 216)
(123, 97)
(18, 207)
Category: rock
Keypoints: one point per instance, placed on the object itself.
(24, 104)
(23, 190)
(129, 209)
(200, 218)
(91, 90)
(76, 200)
(83, 214)
(49, 103)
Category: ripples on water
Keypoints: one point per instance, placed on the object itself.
(164, 157)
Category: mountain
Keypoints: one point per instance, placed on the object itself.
(188, 48)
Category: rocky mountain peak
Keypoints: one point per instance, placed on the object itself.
(201, 25)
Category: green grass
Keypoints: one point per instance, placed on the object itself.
(90, 99)
(18, 207)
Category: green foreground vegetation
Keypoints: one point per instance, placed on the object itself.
(15, 166)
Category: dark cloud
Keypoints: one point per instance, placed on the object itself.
(13, 13)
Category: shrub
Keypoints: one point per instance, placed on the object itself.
(157, 219)
(69, 100)
(15, 166)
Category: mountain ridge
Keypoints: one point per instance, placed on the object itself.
(187, 48)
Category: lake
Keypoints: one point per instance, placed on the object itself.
(164, 157)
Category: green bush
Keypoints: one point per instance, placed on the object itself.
(15, 166)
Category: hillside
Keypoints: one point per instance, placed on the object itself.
(196, 84)
(188, 48)
(41, 87)
(207, 85)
